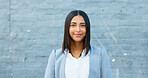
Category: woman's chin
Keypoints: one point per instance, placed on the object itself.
(78, 40)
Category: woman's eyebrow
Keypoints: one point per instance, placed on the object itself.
(82, 23)
(73, 22)
(76, 23)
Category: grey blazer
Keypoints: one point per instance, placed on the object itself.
(99, 65)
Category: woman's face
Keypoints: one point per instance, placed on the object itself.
(77, 28)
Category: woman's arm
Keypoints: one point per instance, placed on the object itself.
(50, 69)
(105, 67)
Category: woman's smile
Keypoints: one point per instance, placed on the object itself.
(77, 35)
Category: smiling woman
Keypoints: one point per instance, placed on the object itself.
(77, 29)
(76, 33)
(77, 58)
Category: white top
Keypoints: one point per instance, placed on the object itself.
(77, 68)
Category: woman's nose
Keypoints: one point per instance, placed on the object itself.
(78, 28)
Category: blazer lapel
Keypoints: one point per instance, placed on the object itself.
(94, 65)
(62, 70)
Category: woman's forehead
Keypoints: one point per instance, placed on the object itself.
(77, 19)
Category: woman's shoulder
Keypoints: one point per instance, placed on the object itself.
(97, 49)
(58, 52)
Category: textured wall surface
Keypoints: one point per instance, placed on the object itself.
(30, 29)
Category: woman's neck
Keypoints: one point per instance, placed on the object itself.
(76, 49)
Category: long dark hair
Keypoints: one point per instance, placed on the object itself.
(67, 38)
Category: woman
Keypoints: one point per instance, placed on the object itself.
(77, 58)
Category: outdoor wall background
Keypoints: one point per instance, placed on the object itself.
(30, 29)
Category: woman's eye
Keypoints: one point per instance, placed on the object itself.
(82, 25)
(72, 25)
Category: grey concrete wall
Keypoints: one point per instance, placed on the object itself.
(30, 29)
